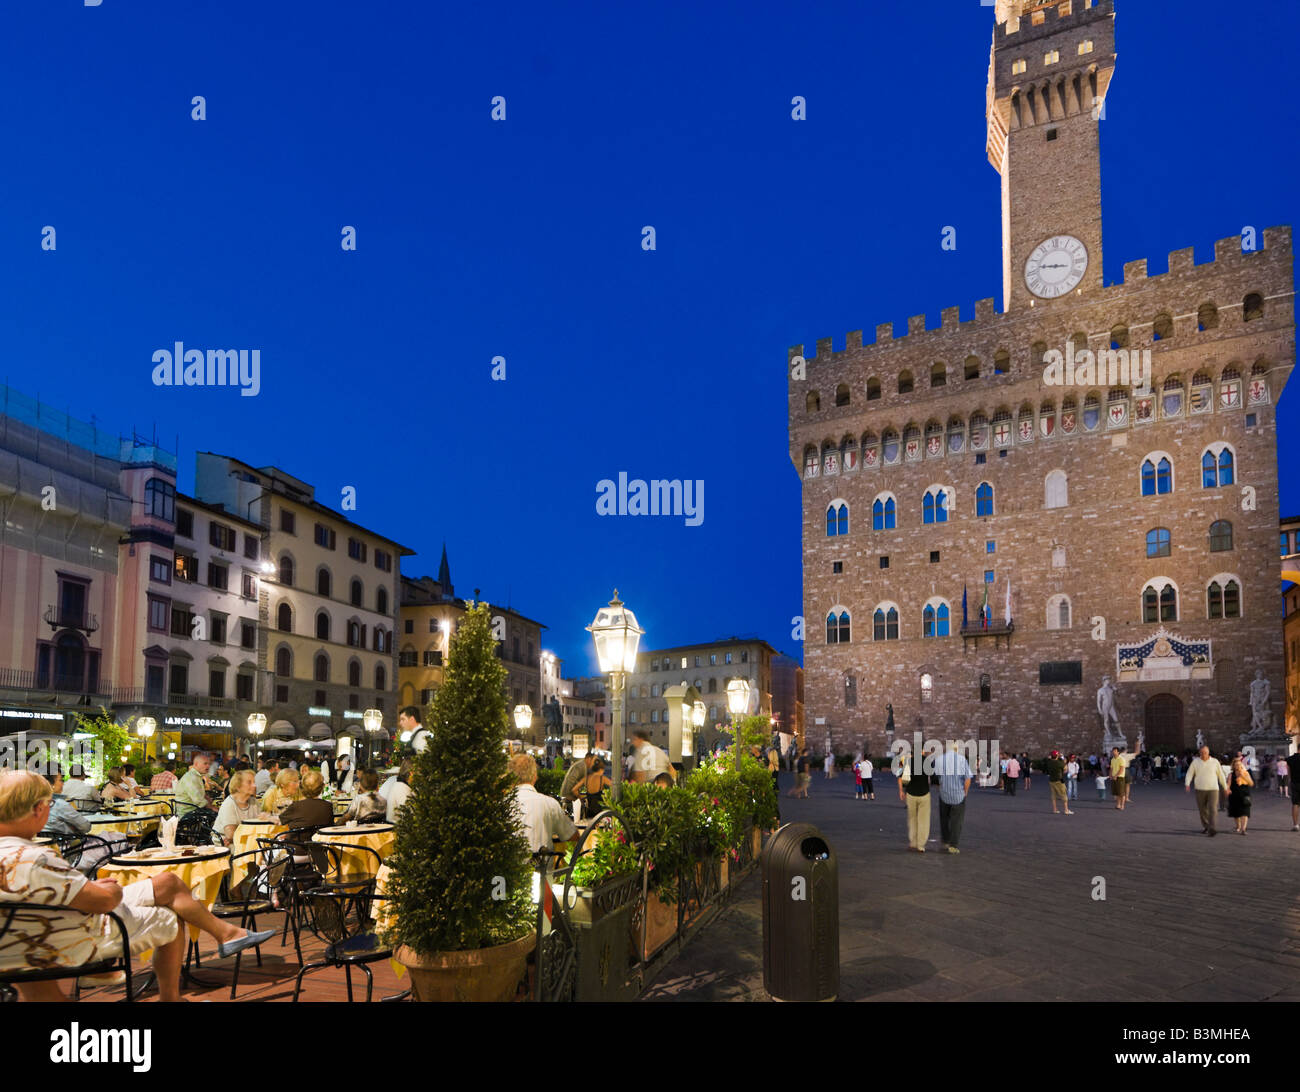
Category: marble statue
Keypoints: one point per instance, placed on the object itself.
(1200, 739)
(1261, 716)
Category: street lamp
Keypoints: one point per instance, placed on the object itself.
(617, 636)
(373, 719)
(145, 728)
(688, 714)
(523, 719)
(737, 703)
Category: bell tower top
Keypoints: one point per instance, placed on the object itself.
(1049, 70)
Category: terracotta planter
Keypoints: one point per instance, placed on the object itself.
(481, 974)
(660, 925)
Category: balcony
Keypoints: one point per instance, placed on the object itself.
(54, 687)
(84, 621)
(139, 695)
(998, 630)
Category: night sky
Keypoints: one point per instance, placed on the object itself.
(522, 239)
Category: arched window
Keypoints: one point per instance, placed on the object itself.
(283, 662)
(813, 403)
(1001, 362)
(381, 601)
(984, 500)
(1160, 601)
(936, 504)
(837, 627)
(884, 513)
(939, 375)
(1207, 317)
(1157, 475)
(873, 389)
(654, 690)
(905, 382)
(1056, 490)
(1119, 337)
(971, 367)
(354, 634)
(286, 571)
(381, 677)
(936, 618)
(1252, 307)
(323, 582)
(837, 519)
(322, 626)
(1158, 542)
(321, 668)
(885, 622)
(713, 686)
(1058, 612)
(1223, 598)
(284, 618)
(160, 499)
(986, 688)
(354, 673)
(1217, 466)
(1220, 536)
(1162, 329)
(356, 593)
(842, 395)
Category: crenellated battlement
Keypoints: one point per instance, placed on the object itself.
(1229, 259)
(1055, 15)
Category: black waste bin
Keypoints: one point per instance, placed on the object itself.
(801, 915)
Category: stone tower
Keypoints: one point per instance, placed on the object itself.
(1049, 70)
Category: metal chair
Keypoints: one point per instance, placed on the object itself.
(297, 867)
(43, 920)
(195, 828)
(339, 914)
(249, 898)
(74, 848)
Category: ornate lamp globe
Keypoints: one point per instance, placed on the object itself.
(617, 635)
(738, 696)
(523, 718)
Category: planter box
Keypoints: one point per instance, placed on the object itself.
(588, 905)
(660, 926)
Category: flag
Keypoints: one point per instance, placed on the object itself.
(963, 606)
(984, 608)
(1008, 602)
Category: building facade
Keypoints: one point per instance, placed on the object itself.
(999, 514)
(707, 667)
(328, 601)
(1290, 551)
(787, 695)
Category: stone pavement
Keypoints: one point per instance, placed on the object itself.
(1012, 917)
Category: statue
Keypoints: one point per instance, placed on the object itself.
(1261, 716)
(553, 717)
(1200, 739)
(1106, 709)
(889, 721)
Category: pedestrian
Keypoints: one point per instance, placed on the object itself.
(1101, 785)
(1013, 774)
(1072, 779)
(1207, 775)
(1283, 777)
(1092, 763)
(857, 777)
(1226, 763)
(1002, 772)
(914, 791)
(802, 776)
(1027, 768)
(954, 784)
(868, 783)
(1239, 785)
(1293, 779)
(1055, 767)
(1119, 779)
(828, 764)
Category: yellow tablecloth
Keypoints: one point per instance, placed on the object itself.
(355, 865)
(245, 841)
(126, 825)
(151, 807)
(202, 875)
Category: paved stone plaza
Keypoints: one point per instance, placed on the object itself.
(1012, 918)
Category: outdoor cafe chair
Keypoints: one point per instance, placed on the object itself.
(15, 914)
(338, 914)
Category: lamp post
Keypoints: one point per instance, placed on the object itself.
(617, 636)
(145, 728)
(523, 719)
(737, 703)
(373, 719)
(256, 726)
(698, 713)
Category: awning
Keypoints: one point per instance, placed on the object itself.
(281, 729)
(319, 731)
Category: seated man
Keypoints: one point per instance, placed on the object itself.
(149, 908)
(63, 817)
(540, 817)
(192, 789)
(79, 792)
(165, 779)
(311, 811)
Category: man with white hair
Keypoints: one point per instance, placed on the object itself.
(540, 817)
(954, 783)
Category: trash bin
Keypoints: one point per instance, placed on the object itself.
(801, 915)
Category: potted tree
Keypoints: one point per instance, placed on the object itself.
(460, 913)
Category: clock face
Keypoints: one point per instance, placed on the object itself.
(1056, 266)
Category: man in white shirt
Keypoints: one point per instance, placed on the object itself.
(412, 731)
(399, 789)
(266, 776)
(76, 788)
(649, 761)
(1207, 775)
(1071, 780)
(540, 817)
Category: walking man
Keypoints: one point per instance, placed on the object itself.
(914, 791)
(954, 783)
(1119, 775)
(1207, 775)
(1013, 774)
(1293, 776)
(1055, 767)
(868, 785)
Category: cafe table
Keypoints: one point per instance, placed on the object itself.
(144, 806)
(201, 869)
(354, 865)
(245, 841)
(125, 823)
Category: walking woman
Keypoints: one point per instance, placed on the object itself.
(1240, 783)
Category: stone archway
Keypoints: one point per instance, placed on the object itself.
(1163, 723)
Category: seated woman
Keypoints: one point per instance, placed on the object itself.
(115, 790)
(284, 792)
(591, 788)
(128, 779)
(239, 807)
(311, 812)
(368, 806)
(151, 909)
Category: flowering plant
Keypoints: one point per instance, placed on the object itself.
(607, 854)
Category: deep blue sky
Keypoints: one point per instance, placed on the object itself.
(522, 239)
